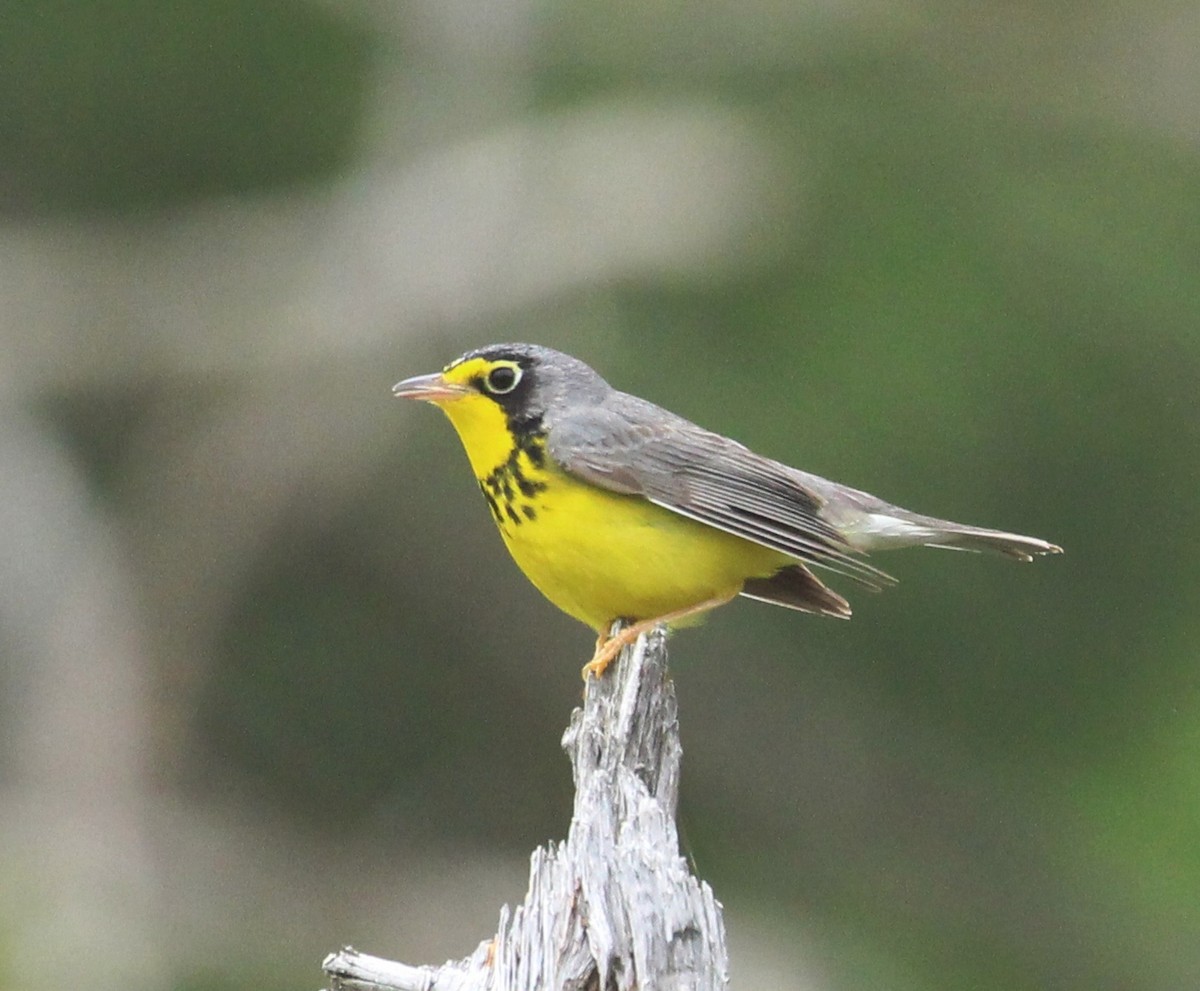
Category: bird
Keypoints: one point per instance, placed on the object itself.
(619, 510)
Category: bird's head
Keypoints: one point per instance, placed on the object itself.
(505, 391)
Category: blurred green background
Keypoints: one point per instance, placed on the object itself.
(268, 681)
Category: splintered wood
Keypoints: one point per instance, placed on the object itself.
(614, 908)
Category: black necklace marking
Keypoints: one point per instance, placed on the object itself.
(506, 488)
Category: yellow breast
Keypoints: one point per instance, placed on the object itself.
(595, 554)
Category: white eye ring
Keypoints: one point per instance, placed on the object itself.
(502, 379)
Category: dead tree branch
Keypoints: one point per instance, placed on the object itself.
(614, 908)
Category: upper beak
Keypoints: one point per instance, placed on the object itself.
(432, 388)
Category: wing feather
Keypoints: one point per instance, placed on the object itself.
(631, 446)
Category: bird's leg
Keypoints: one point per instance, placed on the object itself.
(607, 648)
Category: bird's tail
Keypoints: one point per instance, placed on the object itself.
(888, 527)
(868, 523)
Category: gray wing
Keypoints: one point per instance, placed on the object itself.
(631, 446)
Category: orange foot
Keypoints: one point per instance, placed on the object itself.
(607, 648)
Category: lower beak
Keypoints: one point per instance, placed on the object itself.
(432, 388)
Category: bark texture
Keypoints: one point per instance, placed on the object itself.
(614, 908)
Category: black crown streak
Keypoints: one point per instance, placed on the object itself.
(508, 490)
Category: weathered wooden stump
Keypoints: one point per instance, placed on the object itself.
(614, 908)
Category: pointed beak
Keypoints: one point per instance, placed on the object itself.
(431, 388)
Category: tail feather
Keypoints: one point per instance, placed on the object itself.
(795, 587)
(882, 530)
(867, 523)
(970, 538)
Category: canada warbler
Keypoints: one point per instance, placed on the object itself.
(617, 509)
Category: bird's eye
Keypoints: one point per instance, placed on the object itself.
(502, 379)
